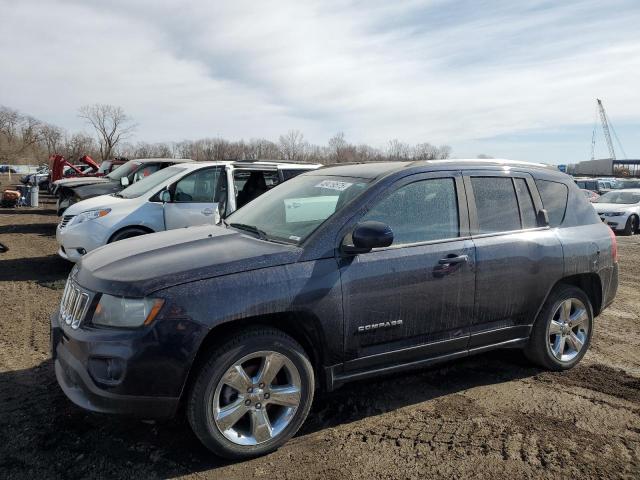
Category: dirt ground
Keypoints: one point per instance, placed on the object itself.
(489, 416)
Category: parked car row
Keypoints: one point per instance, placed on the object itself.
(164, 194)
(339, 274)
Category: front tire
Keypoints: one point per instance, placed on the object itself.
(252, 394)
(631, 227)
(562, 333)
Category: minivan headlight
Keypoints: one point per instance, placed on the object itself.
(89, 215)
(126, 312)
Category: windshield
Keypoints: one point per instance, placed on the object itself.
(620, 197)
(629, 184)
(148, 183)
(293, 210)
(124, 170)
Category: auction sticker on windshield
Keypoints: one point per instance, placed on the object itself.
(334, 185)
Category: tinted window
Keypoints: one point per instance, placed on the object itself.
(554, 200)
(289, 174)
(527, 209)
(199, 187)
(420, 211)
(496, 204)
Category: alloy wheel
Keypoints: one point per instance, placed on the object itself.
(256, 398)
(568, 329)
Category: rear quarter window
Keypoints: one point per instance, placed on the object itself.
(554, 199)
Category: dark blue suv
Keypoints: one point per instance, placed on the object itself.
(344, 273)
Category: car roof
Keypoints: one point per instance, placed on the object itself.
(380, 169)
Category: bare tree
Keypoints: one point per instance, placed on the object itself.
(110, 123)
(52, 137)
(292, 145)
(77, 145)
(398, 150)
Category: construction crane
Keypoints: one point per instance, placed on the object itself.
(606, 124)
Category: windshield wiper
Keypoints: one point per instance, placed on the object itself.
(119, 195)
(262, 235)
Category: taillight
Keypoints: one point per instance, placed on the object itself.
(614, 245)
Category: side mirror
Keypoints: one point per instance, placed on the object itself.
(367, 236)
(124, 181)
(543, 218)
(165, 196)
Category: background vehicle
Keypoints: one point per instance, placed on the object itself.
(181, 195)
(620, 209)
(594, 184)
(71, 191)
(590, 195)
(343, 273)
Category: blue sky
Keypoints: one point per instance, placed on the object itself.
(511, 79)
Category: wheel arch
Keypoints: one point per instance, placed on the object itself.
(590, 283)
(128, 227)
(302, 327)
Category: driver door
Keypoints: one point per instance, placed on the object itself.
(193, 199)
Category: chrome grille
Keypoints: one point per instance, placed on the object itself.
(74, 304)
(65, 220)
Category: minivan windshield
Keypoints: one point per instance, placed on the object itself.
(148, 183)
(620, 197)
(293, 210)
(123, 170)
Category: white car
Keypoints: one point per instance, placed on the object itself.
(182, 195)
(620, 209)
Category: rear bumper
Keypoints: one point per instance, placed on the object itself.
(77, 384)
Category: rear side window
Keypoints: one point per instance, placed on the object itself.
(527, 209)
(554, 200)
(496, 204)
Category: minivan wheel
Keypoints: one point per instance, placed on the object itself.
(128, 233)
(562, 332)
(251, 394)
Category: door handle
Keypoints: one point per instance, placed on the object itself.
(207, 211)
(454, 260)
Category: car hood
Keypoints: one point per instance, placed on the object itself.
(97, 203)
(77, 181)
(102, 188)
(614, 207)
(139, 266)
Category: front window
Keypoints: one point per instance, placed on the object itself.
(620, 197)
(150, 182)
(291, 212)
(421, 211)
(123, 171)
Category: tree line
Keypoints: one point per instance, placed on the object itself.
(26, 140)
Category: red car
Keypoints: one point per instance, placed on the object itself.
(590, 194)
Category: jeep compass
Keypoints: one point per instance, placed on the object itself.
(342, 273)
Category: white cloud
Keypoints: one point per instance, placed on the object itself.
(438, 71)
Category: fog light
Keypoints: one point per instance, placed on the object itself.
(107, 370)
(81, 251)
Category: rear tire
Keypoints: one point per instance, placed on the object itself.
(631, 227)
(128, 233)
(562, 333)
(252, 394)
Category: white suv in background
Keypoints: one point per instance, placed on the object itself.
(620, 209)
(182, 195)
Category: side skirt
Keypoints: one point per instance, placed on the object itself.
(335, 378)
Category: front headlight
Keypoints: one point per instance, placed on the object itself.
(614, 214)
(126, 312)
(89, 215)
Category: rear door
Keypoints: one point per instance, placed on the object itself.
(516, 260)
(193, 199)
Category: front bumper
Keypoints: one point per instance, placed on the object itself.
(71, 359)
(77, 240)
